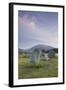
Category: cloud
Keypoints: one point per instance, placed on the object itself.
(29, 31)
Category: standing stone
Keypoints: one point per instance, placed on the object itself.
(46, 56)
(35, 57)
(51, 53)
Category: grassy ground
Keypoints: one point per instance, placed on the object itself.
(44, 69)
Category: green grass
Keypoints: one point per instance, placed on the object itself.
(44, 69)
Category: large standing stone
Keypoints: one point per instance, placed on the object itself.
(35, 57)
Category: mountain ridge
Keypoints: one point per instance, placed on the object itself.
(39, 46)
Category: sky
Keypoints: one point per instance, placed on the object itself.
(35, 27)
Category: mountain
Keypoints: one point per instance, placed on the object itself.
(46, 48)
(42, 47)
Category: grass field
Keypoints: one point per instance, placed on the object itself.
(45, 68)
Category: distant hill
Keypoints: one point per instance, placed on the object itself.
(46, 48)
